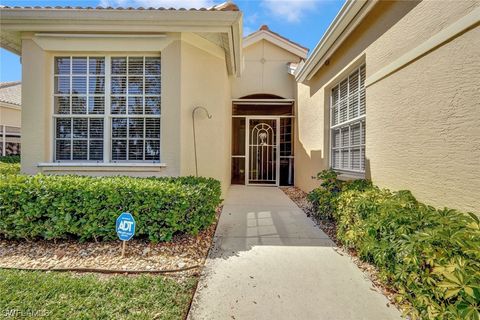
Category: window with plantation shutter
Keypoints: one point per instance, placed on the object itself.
(347, 123)
(107, 109)
(79, 108)
(135, 108)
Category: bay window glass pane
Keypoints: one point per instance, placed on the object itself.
(97, 65)
(344, 163)
(135, 85)
(80, 148)
(80, 128)
(336, 138)
(96, 150)
(79, 65)
(63, 128)
(152, 85)
(119, 85)
(135, 127)
(152, 105)
(152, 66)
(63, 150)
(96, 129)
(118, 105)
(62, 105)
(135, 105)
(152, 150)
(96, 85)
(62, 65)
(79, 105)
(79, 85)
(152, 128)
(135, 65)
(135, 149)
(355, 134)
(96, 105)
(119, 65)
(119, 127)
(62, 85)
(119, 150)
(355, 155)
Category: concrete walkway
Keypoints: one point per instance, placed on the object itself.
(270, 261)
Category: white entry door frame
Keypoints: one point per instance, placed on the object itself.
(262, 151)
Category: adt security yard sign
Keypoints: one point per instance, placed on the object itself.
(125, 228)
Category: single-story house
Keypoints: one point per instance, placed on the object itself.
(10, 118)
(390, 93)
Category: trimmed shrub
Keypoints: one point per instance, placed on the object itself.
(10, 159)
(56, 207)
(430, 256)
(324, 199)
(9, 168)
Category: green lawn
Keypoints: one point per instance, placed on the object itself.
(73, 296)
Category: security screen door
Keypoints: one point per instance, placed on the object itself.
(263, 150)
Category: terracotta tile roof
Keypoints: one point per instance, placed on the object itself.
(11, 92)
(264, 27)
(226, 6)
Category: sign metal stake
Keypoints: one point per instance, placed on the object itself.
(123, 248)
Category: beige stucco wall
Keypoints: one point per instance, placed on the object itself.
(422, 121)
(10, 115)
(265, 71)
(187, 61)
(204, 82)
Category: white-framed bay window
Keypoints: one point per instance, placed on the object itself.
(347, 123)
(107, 108)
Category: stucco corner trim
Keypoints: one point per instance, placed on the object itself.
(468, 21)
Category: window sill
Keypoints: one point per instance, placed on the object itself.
(93, 166)
(349, 176)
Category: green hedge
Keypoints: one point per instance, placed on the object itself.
(55, 207)
(10, 159)
(9, 168)
(430, 256)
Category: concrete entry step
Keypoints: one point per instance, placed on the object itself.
(270, 261)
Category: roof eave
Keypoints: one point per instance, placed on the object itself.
(15, 21)
(349, 16)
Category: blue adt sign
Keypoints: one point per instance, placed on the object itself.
(125, 226)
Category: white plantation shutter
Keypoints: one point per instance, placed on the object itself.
(79, 108)
(129, 115)
(347, 114)
(135, 108)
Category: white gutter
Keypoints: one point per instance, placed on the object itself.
(346, 20)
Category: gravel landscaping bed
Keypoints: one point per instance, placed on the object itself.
(330, 228)
(183, 252)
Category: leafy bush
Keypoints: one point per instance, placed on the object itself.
(10, 159)
(54, 207)
(430, 256)
(9, 168)
(324, 199)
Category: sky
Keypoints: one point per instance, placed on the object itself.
(302, 21)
